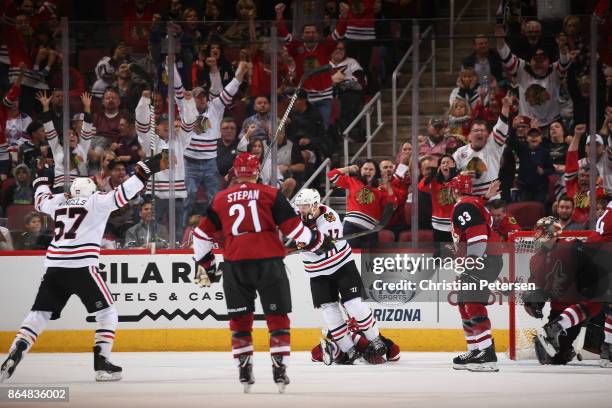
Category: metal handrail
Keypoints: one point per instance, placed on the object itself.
(451, 29)
(367, 112)
(397, 72)
(306, 184)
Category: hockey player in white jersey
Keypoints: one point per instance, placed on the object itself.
(72, 262)
(334, 279)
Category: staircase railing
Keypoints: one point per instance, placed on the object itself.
(396, 100)
(367, 112)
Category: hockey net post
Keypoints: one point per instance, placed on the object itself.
(522, 326)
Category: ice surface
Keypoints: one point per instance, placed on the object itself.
(185, 379)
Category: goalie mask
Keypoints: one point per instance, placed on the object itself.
(82, 187)
(547, 228)
(308, 201)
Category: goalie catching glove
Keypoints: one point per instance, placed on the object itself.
(154, 164)
(206, 272)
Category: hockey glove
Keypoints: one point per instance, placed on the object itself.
(319, 243)
(154, 164)
(534, 302)
(206, 271)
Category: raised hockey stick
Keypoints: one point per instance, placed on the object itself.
(294, 97)
(384, 219)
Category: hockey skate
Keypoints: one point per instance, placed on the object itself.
(605, 359)
(105, 370)
(484, 361)
(349, 357)
(12, 361)
(461, 361)
(327, 351)
(549, 337)
(279, 373)
(245, 372)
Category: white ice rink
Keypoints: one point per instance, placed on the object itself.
(181, 379)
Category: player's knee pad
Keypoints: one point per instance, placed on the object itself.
(107, 316)
(242, 323)
(35, 323)
(332, 315)
(357, 308)
(277, 322)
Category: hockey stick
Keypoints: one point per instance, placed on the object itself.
(384, 219)
(294, 97)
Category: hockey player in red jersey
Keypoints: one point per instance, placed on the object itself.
(72, 262)
(555, 269)
(604, 229)
(361, 344)
(471, 230)
(249, 215)
(334, 278)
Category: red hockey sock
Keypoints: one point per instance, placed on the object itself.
(480, 325)
(280, 340)
(577, 313)
(242, 339)
(468, 331)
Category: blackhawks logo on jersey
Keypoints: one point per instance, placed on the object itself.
(364, 196)
(512, 220)
(477, 165)
(329, 217)
(444, 197)
(581, 200)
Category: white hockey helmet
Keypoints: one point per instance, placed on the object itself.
(308, 201)
(82, 187)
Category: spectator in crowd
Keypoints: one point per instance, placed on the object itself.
(215, 25)
(565, 213)
(129, 90)
(121, 219)
(78, 146)
(459, 118)
(602, 161)
(5, 106)
(572, 28)
(107, 68)
(404, 154)
(227, 146)
(259, 125)
(56, 110)
(602, 205)
(201, 153)
(34, 237)
(436, 184)
(310, 53)
(361, 35)
(577, 179)
(399, 174)
(291, 163)
(6, 242)
(486, 61)
(137, 18)
(34, 148)
(106, 123)
(349, 85)
(434, 143)
(535, 165)
(531, 40)
(468, 88)
(367, 196)
(258, 148)
(20, 192)
(102, 175)
(17, 123)
(608, 77)
(503, 222)
(558, 145)
(579, 88)
(482, 156)
(147, 231)
(539, 81)
(210, 78)
(306, 128)
(126, 148)
(238, 32)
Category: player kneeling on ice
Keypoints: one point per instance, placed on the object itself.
(559, 269)
(72, 262)
(471, 228)
(334, 278)
(250, 216)
(361, 344)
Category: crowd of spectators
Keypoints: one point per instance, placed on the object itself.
(517, 119)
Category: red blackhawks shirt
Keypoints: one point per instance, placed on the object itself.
(581, 199)
(365, 203)
(249, 216)
(471, 225)
(442, 201)
(506, 226)
(320, 86)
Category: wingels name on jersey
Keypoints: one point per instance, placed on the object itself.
(328, 223)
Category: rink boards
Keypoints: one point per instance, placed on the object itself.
(161, 309)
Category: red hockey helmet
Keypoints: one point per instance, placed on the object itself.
(461, 184)
(246, 165)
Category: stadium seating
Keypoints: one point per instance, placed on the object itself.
(527, 213)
